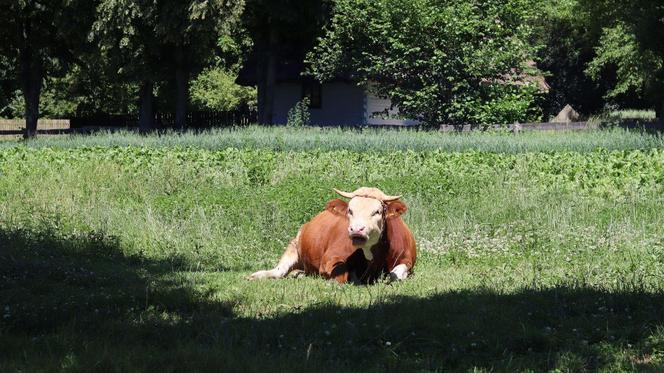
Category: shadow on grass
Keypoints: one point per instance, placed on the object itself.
(80, 305)
(646, 126)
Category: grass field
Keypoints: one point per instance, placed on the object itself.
(539, 252)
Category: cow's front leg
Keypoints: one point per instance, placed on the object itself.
(289, 260)
(334, 268)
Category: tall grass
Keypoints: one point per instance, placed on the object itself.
(303, 139)
(198, 204)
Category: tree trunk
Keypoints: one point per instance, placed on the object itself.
(260, 79)
(266, 79)
(31, 77)
(182, 89)
(146, 114)
(270, 77)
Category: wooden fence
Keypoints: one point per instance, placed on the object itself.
(195, 120)
(17, 125)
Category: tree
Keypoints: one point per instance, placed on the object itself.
(282, 31)
(147, 41)
(42, 37)
(124, 33)
(567, 46)
(80, 92)
(440, 61)
(631, 46)
(191, 30)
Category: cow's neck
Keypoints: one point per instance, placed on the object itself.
(368, 250)
(368, 255)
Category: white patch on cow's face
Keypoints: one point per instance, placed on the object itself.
(366, 222)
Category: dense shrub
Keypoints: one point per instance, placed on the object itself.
(215, 89)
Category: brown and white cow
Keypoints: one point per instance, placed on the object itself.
(357, 241)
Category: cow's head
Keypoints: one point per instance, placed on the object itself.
(368, 211)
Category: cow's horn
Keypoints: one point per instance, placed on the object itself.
(344, 194)
(387, 198)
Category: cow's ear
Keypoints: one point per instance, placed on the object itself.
(337, 207)
(395, 209)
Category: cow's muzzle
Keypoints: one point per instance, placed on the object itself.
(358, 239)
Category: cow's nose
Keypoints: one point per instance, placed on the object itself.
(357, 229)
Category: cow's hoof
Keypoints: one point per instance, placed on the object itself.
(298, 273)
(393, 277)
(257, 275)
(399, 273)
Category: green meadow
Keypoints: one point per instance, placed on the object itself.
(537, 252)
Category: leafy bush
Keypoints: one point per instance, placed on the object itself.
(215, 89)
(298, 115)
(7, 84)
(441, 62)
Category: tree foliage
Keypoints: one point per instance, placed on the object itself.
(631, 47)
(215, 88)
(282, 31)
(635, 69)
(163, 40)
(440, 61)
(79, 93)
(567, 46)
(124, 33)
(7, 84)
(41, 38)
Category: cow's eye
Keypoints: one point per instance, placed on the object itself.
(375, 213)
(350, 212)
